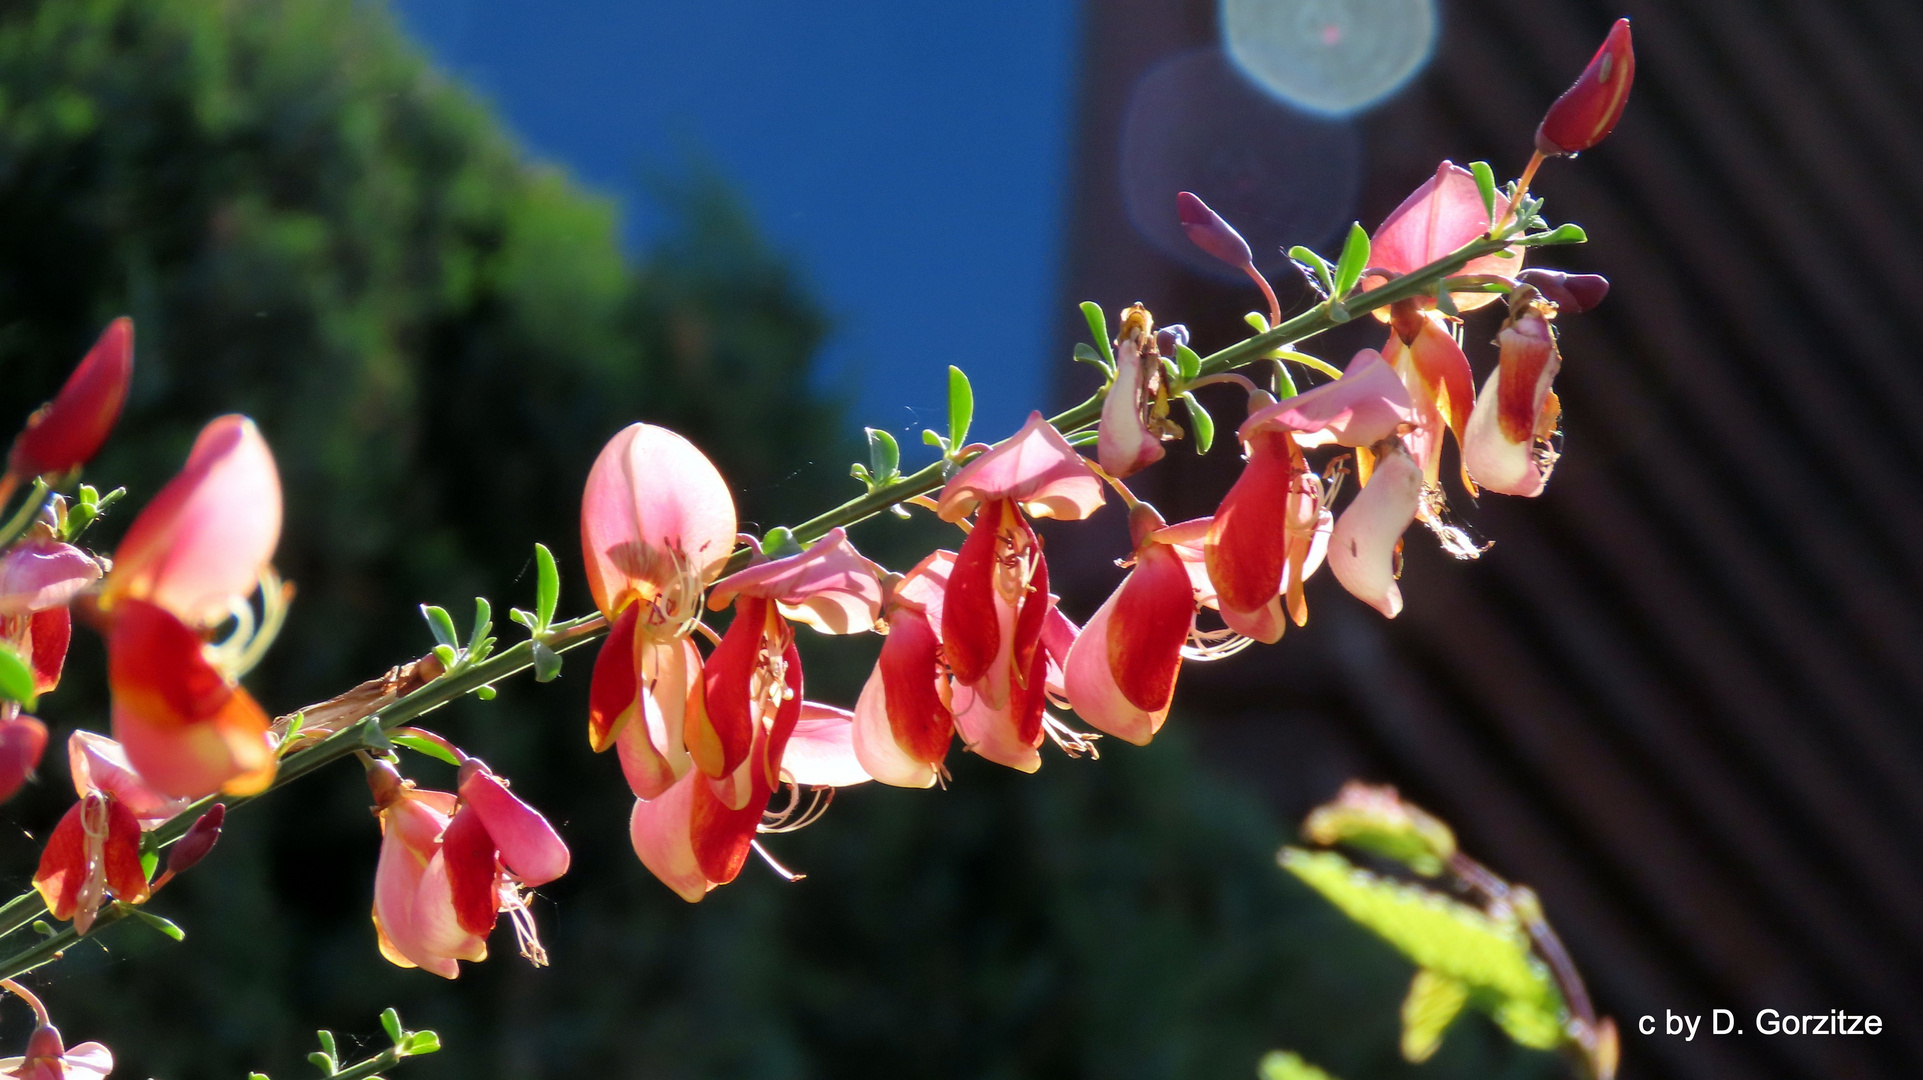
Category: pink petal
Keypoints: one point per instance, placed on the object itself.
(1437, 218)
(23, 740)
(1035, 468)
(927, 584)
(1366, 405)
(529, 847)
(660, 830)
(204, 540)
(873, 741)
(100, 764)
(40, 574)
(652, 745)
(1092, 690)
(655, 511)
(1190, 539)
(1491, 458)
(821, 752)
(1362, 550)
(413, 901)
(830, 587)
(88, 1061)
(993, 733)
(1124, 444)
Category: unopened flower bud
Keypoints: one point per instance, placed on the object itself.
(66, 432)
(198, 840)
(1571, 293)
(1588, 111)
(1207, 230)
(1168, 338)
(384, 782)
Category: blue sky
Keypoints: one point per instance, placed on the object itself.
(909, 158)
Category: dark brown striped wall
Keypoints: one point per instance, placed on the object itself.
(1680, 695)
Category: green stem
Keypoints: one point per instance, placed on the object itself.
(23, 517)
(49, 949)
(386, 1059)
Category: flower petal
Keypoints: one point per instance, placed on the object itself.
(992, 733)
(63, 863)
(204, 540)
(1034, 468)
(829, 587)
(821, 752)
(971, 630)
(1491, 458)
(183, 728)
(1362, 549)
(875, 744)
(1092, 689)
(910, 672)
(67, 431)
(472, 877)
(614, 692)
(22, 741)
(100, 764)
(1149, 621)
(654, 508)
(653, 747)
(1124, 445)
(1366, 405)
(528, 846)
(661, 831)
(39, 574)
(1248, 542)
(48, 634)
(719, 739)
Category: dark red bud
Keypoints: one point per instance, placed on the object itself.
(199, 839)
(1169, 337)
(1588, 111)
(1207, 230)
(66, 432)
(1571, 293)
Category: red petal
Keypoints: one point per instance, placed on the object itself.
(472, 877)
(62, 863)
(971, 629)
(526, 844)
(1153, 612)
(720, 739)
(1528, 366)
(721, 836)
(1026, 699)
(1587, 112)
(1034, 612)
(613, 692)
(1248, 543)
(152, 656)
(910, 666)
(786, 717)
(22, 741)
(69, 430)
(125, 879)
(49, 631)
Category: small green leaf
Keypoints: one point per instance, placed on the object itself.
(884, 456)
(1257, 321)
(421, 1042)
(933, 438)
(1433, 1004)
(373, 736)
(1098, 326)
(445, 654)
(780, 542)
(149, 862)
(324, 1062)
(258, 1076)
(1446, 301)
(1561, 234)
(547, 663)
(1355, 259)
(1201, 423)
(961, 408)
(1339, 313)
(1486, 187)
(547, 585)
(485, 693)
(16, 679)
(1314, 266)
(156, 922)
(328, 1048)
(1377, 820)
(391, 1023)
(442, 626)
(1284, 384)
(1187, 363)
(1085, 353)
(483, 622)
(44, 928)
(425, 746)
(1284, 1065)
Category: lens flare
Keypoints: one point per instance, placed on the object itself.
(1334, 57)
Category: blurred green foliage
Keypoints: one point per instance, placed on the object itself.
(311, 226)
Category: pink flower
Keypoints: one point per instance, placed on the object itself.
(1365, 546)
(1135, 413)
(39, 576)
(450, 865)
(997, 603)
(94, 851)
(65, 433)
(1425, 354)
(1508, 444)
(697, 832)
(657, 525)
(195, 552)
(1438, 218)
(904, 719)
(47, 1057)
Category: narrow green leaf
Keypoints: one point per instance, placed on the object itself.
(1284, 384)
(884, 456)
(547, 663)
(258, 1076)
(1200, 423)
(1098, 326)
(1086, 354)
(933, 438)
(324, 1062)
(483, 622)
(425, 746)
(1284, 1065)
(326, 1039)
(1377, 820)
(1187, 363)
(547, 585)
(1561, 234)
(149, 862)
(156, 922)
(1257, 321)
(16, 679)
(961, 408)
(1486, 187)
(1355, 259)
(1314, 266)
(391, 1023)
(1433, 1004)
(442, 625)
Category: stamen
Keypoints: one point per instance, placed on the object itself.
(526, 937)
(1070, 741)
(1206, 645)
(794, 816)
(781, 871)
